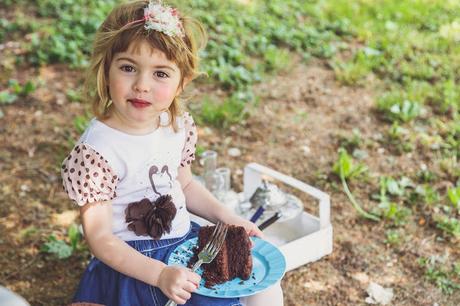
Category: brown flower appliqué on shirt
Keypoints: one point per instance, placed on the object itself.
(151, 219)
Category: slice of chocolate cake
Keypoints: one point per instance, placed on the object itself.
(234, 259)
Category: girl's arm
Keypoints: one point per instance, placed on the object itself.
(201, 202)
(177, 283)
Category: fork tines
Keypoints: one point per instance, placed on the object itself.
(217, 238)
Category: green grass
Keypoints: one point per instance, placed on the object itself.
(411, 47)
(65, 246)
(66, 31)
(443, 275)
(221, 114)
(412, 44)
(393, 237)
(15, 90)
(247, 41)
(450, 226)
(250, 40)
(398, 139)
(346, 170)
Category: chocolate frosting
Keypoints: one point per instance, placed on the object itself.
(145, 218)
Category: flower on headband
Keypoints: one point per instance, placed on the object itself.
(163, 19)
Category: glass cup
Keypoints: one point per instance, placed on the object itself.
(225, 194)
(209, 162)
(224, 174)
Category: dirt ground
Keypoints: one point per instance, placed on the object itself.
(296, 129)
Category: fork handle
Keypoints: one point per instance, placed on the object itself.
(195, 267)
(171, 303)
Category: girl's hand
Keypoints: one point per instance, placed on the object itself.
(250, 227)
(178, 283)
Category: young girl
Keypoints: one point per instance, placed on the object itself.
(130, 171)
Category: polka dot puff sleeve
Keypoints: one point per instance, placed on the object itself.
(87, 176)
(191, 136)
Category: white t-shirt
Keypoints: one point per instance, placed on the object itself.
(107, 164)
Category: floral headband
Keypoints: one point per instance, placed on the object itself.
(162, 19)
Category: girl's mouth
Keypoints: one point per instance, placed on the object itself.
(139, 103)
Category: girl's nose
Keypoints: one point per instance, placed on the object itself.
(142, 84)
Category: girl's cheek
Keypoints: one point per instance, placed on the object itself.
(164, 93)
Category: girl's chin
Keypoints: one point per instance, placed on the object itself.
(144, 118)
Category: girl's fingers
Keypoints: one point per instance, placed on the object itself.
(184, 295)
(255, 231)
(178, 300)
(193, 277)
(190, 287)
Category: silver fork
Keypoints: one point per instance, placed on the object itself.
(210, 250)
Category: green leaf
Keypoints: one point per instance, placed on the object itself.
(74, 235)
(454, 196)
(450, 226)
(6, 97)
(57, 247)
(15, 86)
(28, 88)
(393, 187)
(81, 122)
(343, 165)
(342, 168)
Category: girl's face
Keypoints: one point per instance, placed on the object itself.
(142, 84)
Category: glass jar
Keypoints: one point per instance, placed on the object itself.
(224, 193)
(209, 162)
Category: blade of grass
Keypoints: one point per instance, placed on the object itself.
(352, 199)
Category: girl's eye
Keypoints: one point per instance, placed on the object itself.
(127, 68)
(161, 74)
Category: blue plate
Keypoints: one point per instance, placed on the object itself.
(269, 266)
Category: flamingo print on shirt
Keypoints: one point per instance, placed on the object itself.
(154, 171)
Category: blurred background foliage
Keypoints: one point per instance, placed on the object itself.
(412, 45)
(406, 51)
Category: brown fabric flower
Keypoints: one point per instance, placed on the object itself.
(152, 219)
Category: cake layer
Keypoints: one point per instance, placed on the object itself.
(233, 260)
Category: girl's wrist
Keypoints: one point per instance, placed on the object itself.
(227, 216)
(156, 276)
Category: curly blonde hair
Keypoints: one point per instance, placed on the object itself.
(117, 34)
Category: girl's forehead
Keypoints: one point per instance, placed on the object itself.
(142, 47)
(146, 53)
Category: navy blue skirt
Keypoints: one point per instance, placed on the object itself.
(103, 285)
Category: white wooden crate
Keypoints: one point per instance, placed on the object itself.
(303, 239)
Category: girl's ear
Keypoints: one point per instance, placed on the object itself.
(186, 81)
(181, 88)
